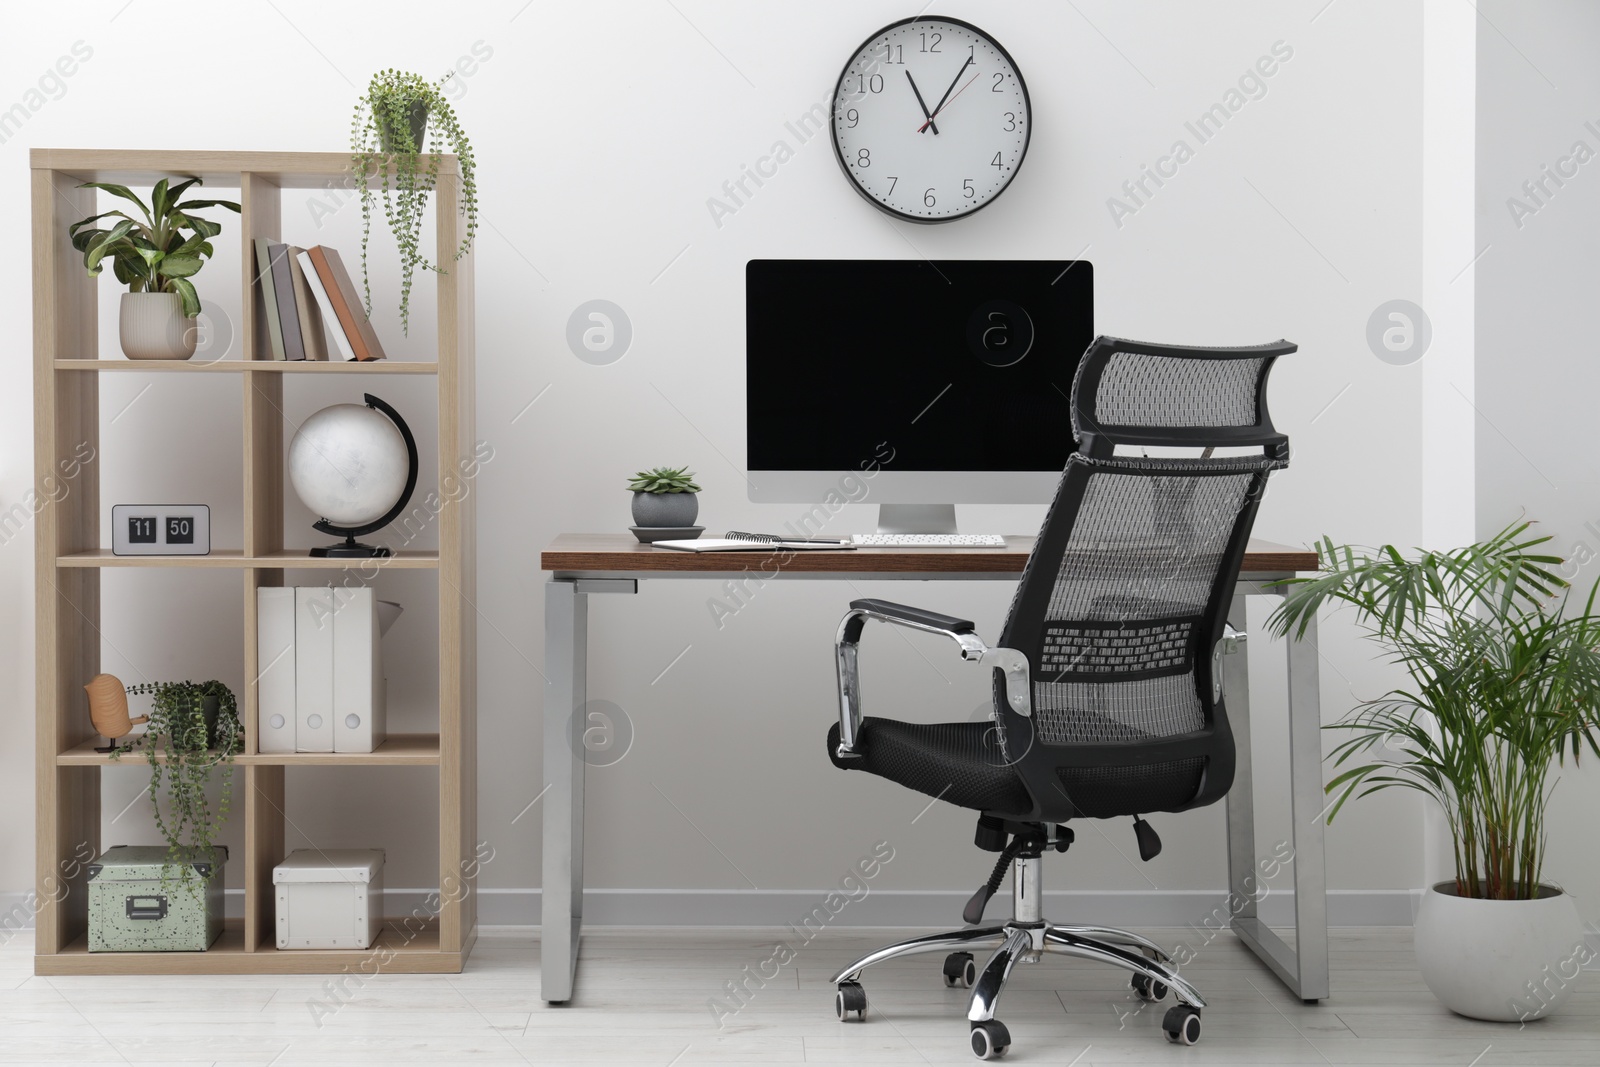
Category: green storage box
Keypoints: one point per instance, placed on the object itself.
(131, 911)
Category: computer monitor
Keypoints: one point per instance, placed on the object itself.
(915, 384)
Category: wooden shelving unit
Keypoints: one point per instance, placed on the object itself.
(70, 558)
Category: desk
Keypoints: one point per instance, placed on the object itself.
(582, 565)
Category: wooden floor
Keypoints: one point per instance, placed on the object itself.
(644, 998)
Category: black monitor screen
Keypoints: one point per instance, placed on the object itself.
(958, 365)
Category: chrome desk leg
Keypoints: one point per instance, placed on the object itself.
(1309, 803)
(1304, 969)
(566, 659)
(1242, 884)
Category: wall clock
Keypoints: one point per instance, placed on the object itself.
(930, 119)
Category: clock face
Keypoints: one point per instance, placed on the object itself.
(930, 119)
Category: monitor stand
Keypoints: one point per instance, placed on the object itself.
(916, 518)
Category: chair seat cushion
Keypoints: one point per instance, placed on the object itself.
(956, 762)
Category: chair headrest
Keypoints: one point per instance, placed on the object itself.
(1139, 393)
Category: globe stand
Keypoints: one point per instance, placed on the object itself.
(350, 548)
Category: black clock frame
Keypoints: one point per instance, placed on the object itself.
(833, 116)
(350, 548)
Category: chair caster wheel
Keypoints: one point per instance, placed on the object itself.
(990, 1040)
(960, 970)
(1149, 988)
(1181, 1024)
(850, 998)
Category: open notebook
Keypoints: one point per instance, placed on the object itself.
(738, 541)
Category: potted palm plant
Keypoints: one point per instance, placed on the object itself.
(1504, 684)
(155, 255)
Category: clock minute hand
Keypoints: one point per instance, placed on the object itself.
(925, 112)
(947, 92)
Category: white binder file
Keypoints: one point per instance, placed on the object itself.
(275, 660)
(359, 719)
(313, 635)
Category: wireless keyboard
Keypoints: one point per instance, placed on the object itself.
(879, 540)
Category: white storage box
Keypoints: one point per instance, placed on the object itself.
(329, 898)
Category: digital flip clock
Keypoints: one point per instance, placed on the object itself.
(160, 530)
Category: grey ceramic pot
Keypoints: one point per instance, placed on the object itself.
(665, 509)
(389, 137)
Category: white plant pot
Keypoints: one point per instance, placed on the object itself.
(1500, 960)
(153, 326)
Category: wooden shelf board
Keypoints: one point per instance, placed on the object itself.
(288, 559)
(400, 750)
(140, 167)
(296, 559)
(271, 366)
(414, 953)
(103, 557)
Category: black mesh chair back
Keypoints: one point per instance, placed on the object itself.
(1126, 594)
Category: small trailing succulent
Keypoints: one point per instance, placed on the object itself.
(664, 480)
(158, 253)
(390, 123)
(184, 740)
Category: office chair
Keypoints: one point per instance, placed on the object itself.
(1107, 685)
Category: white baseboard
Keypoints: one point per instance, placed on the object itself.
(779, 907)
(696, 907)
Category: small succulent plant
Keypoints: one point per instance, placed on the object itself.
(664, 480)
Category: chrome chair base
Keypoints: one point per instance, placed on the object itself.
(1026, 943)
(1028, 940)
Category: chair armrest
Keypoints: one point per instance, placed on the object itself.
(973, 650)
(918, 617)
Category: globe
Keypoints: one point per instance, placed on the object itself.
(349, 464)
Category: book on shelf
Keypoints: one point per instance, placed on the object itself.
(287, 304)
(345, 301)
(312, 331)
(269, 300)
(283, 294)
(319, 293)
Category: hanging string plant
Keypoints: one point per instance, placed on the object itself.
(391, 122)
(193, 727)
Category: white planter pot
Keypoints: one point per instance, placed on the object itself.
(152, 326)
(1499, 960)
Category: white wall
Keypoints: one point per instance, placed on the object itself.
(1537, 374)
(602, 130)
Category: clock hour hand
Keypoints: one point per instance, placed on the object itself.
(947, 92)
(925, 112)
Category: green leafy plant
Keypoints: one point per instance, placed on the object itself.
(193, 727)
(664, 480)
(389, 127)
(1504, 683)
(158, 253)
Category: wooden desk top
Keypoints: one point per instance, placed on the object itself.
(621, 552)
